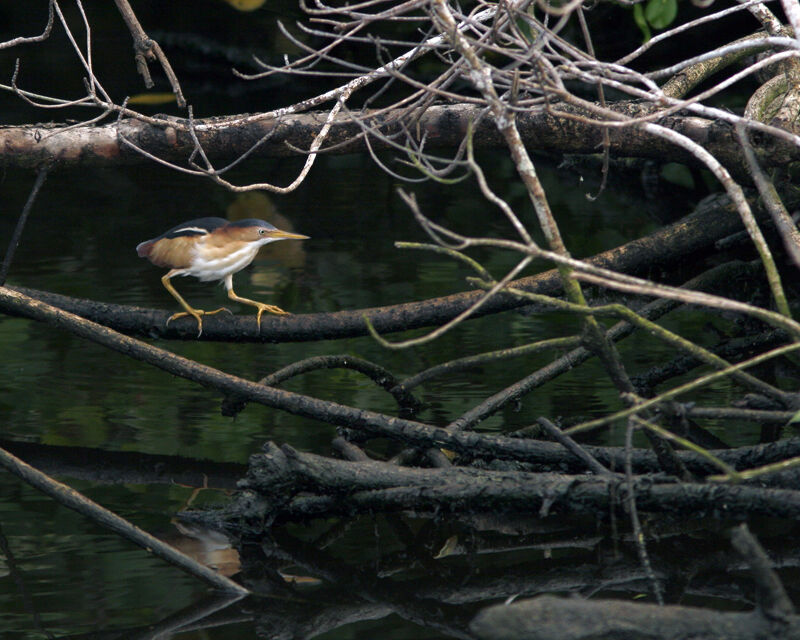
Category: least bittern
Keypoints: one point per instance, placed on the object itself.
(212, 249)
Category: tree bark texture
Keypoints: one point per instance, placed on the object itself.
(711, 220)
(226, 138)
(279, 482)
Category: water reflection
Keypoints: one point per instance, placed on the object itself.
(83, 396)
(423, 578)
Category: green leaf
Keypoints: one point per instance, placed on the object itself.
(795, 418)
(641, 22)
(660, 13)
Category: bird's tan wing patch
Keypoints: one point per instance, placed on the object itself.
(173, 253)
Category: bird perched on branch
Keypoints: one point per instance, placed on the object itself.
(212, 249)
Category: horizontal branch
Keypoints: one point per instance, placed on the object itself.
(696, 232)
(225, 139)
(280, 475)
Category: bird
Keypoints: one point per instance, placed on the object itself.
(212, 249)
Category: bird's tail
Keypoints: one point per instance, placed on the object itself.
(143, 248)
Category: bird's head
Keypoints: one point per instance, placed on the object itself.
(258, 231)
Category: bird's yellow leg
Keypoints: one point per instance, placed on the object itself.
(259, 305)
(190, 311)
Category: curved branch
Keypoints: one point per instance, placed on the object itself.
(28, 39)
(696, 232)
(232, 405)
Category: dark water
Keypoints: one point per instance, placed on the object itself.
(59, 390)
(63, 576)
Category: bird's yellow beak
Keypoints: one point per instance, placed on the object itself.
(285, 235)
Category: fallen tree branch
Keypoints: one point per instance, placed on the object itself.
(440, 126)
(279, 479)
(699, 230)
(23, 217)
(407, 431)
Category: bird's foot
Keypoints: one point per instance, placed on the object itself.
(269, 308)
(197, 314)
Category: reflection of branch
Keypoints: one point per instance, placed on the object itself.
(191, 618)
(13, 571)
(103, 467)
(771, 598)
(210, 612)
(551, 617)
(70, 498)
(399, 585)
(360, 583)
(15, 237)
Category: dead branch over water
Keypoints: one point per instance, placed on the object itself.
(439, 127)
(506, 76)
(710, 222)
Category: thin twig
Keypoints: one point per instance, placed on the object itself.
(148, 49)
(633, 512)
(41, 37)
(467, 362)
(572, 446)
(23, 217)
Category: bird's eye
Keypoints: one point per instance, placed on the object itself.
(261, 232)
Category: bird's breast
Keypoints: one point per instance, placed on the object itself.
(212, 262)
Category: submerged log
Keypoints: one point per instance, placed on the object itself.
(553, 618)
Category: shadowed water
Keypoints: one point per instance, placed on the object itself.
(61, 576)
(59, 390)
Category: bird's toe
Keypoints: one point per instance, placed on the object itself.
(197, 316)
